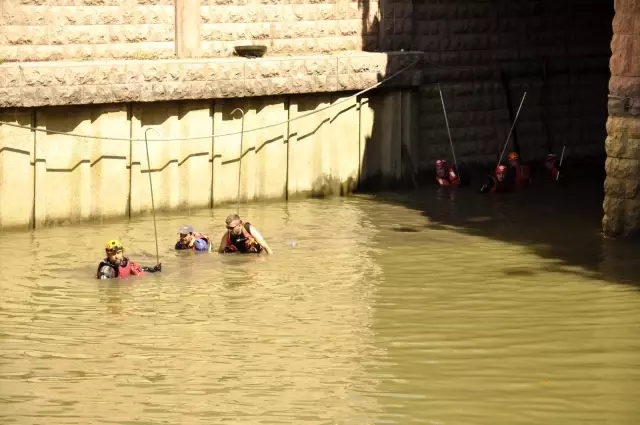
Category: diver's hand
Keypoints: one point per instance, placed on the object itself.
(156, 268)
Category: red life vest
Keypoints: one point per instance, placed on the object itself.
(499, 186)
(451, 179)
(523, 176)
(125, 269)
(552, 167)
(250, 243)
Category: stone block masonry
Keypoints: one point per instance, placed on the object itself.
(288, 27)
(622, 185)
(556, 51)
(47, 30)
(78, 83)
(43, 30)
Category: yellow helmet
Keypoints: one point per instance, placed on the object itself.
(114, 245)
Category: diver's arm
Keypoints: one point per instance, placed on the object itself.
(254, 232)
(488, 185)
(106, 272)
(223, 244)
(156, 268)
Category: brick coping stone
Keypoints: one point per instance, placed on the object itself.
(35, 84)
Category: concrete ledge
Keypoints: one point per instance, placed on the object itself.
(36, 84)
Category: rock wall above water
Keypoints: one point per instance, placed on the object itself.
(78, 83)
(622, 185)
(37, 30)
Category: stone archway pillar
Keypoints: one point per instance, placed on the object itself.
(622, 185)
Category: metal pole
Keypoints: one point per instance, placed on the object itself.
(512, 126)
(153, 207)
(561, 159)
(446, 120)
(239, 159)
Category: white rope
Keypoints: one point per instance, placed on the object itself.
(216, 135)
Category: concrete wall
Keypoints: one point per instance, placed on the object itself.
(36, 30)
(48, 178)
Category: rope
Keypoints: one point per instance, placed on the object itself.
(225, 134)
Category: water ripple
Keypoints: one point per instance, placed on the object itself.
(376, 315)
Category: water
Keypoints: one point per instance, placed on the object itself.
(391, 309)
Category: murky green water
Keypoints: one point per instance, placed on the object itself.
(397, 309)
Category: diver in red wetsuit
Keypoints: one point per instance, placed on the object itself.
(116, 265)
(553, 166)
(446, 176)
(519, 174)
(497, 183)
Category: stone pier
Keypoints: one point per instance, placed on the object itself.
(622, 185)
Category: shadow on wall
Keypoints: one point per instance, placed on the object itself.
(565, 73)
(493, 52)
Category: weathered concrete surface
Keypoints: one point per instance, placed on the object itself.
(622, 185)
(264, 162)
(180, 171)
(382, 159)
(80, 83)
(77, 178)
(51, 178)
(323, 147)
(17, 147)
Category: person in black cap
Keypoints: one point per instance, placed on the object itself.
(190, 239)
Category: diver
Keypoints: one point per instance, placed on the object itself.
(116, 265)
(446, 176)
(189, 239)
(497, 183)
(518, 174)
(242, 237)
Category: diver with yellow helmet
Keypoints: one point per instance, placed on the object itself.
(116, 265)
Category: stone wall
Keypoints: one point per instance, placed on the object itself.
(622, 185)
(40, 30)
(556, 51)
(43, 30)
(121, 81)
(288, 26)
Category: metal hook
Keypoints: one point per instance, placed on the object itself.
(151, 128)
(238, 109)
